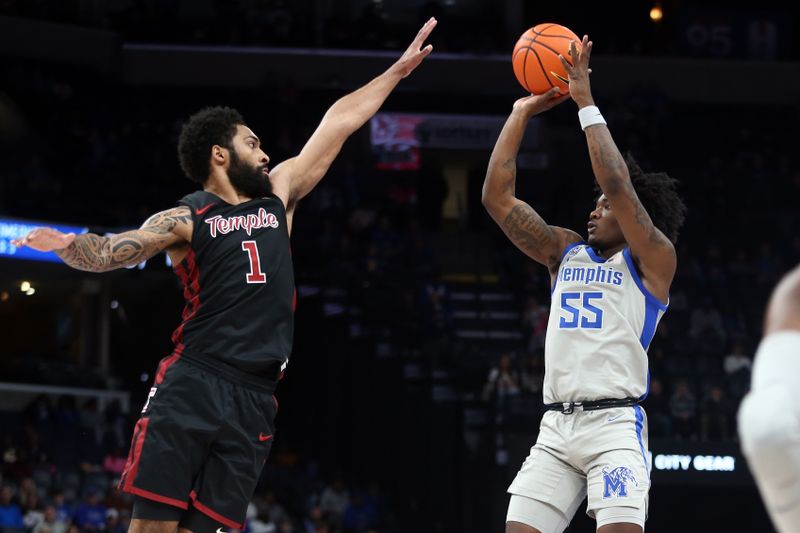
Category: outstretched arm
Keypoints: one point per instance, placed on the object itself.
(519, 221)
(94, 253)
(298, 175)
(654, 252)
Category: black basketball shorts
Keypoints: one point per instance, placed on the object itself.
(202, 440)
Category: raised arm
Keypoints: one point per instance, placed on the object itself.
(94, 253)
(519, 221)
(653, 251)
(299, 175)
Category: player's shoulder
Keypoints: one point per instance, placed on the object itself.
(197, 199)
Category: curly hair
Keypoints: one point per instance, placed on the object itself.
(658, 193)
(207, 127)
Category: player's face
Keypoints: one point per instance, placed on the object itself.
(603, 228)
(248, 169)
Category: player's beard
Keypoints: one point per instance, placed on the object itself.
(248, 181)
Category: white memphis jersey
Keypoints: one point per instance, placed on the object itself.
(602, 320)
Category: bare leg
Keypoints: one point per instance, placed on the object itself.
(622, 527)
(518, 527)
(139, 525)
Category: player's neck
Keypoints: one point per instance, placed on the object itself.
(609, 252)
(225, 191)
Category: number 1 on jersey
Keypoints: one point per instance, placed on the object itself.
(255, 275)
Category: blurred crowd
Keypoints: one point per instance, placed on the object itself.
(61, 463)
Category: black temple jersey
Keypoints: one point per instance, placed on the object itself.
(238, 283)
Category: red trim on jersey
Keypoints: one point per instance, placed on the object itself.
(156, 497)
(294, 300)
(216, 516)
(190, 276)
(167, 362)
(132, 465)
(274, 399)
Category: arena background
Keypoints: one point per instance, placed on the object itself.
(410, 300)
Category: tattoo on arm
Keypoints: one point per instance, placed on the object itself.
(605, 156)
(511, 184)
(94, 253)
(532, 234)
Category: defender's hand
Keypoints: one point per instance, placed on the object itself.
(579, 71)
(414, 55)
(45, 240)
(539, 103)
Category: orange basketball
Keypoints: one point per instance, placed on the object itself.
(535, 58)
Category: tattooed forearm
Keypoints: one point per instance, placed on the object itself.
(94, 253)
(612, 175)
(531, 234)
(607, 163)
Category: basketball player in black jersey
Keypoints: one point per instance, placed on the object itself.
(207, 425)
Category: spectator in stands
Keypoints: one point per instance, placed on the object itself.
(314, 522)
(286, 527)
(91, 515)
(437, 310)
(503, 381)
(334, 501)
(10, 513)
(738, 367)
(39, 417)
(63, 509)
(658, 409)
(736, 360)
(67, 423)
(258, 521)
(360, 515)
(50, 523)
(716, 414)
(534, 319)
(116, 423)
(114, 462)
(683, 406)
(706, 329)
(270, 507)
(91, 425)
(28, 495)
(532, 375)
(113, 523)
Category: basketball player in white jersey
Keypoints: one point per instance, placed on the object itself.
(769, 417)
(608, 294)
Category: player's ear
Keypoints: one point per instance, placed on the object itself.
(219, 154)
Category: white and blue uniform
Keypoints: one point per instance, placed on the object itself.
(602, 319)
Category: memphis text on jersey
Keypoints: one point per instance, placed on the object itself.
(597, 274)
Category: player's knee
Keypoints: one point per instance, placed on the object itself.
(764, 418)
(518, 527)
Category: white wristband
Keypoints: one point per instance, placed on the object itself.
(589, 116)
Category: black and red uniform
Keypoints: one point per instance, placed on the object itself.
(208, 423)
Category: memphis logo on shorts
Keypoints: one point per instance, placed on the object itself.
(615, 482)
